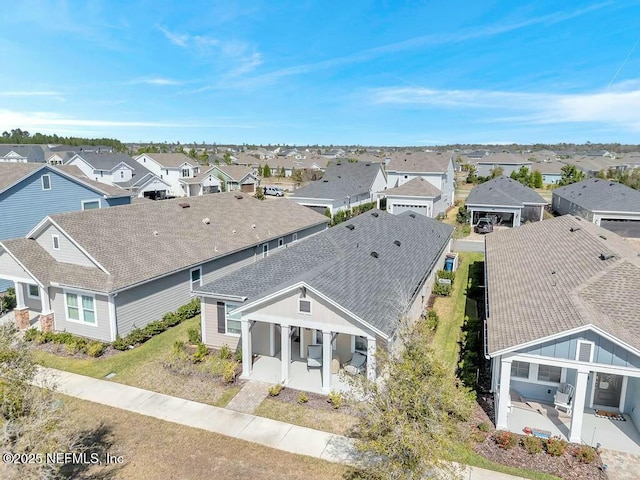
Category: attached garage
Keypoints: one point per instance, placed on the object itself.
(397, 209)
(624, 228)
(248, 187)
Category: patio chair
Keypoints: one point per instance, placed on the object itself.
(563, 397)
(357, 365)
(314, 356)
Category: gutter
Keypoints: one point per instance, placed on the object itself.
(486, 306)
(230, 298)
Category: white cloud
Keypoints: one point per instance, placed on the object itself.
(30, 94)
(159, 81)
(248, 64)
(612, 107)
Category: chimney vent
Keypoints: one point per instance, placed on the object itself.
(206, 221)
(350, 227)
(397, 243)
(374, 254)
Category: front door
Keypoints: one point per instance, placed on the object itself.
(607, 390)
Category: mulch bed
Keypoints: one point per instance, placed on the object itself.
(316, 401)
(61, 350)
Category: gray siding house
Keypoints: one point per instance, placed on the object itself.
(562, 309)
(345, 290)
(101, 273)
(609, 204)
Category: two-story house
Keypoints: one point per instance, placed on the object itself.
(21, 154)
(172, 168)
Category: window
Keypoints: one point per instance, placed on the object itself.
(280, 242)
(46, 182)
(80, 308)
(56, 242)
(294, 237)
(304, 305)
(196, 278)
(167, 171)
(121, 173)
(234, 325)
(34, 291)
(360, 344)
(185, 172)
(548, 373)
(519, 369)
(265, 249)
(90, 204)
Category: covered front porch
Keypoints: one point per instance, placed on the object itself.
(33, 305)
(304, 358)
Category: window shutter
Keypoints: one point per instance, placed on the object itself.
(584, 352)
(222, 324)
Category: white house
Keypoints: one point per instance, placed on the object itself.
(171, 167)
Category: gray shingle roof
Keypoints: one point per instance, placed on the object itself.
(106, 161)
(419, 162)
(124, 240)
(33, 153)
(341, 180)
(171, 160)
(10, 173)
(104, 188)
(235, 172)
(338, 263)
(503, 191)
(601, 195)
(527, 302)
(416, 187)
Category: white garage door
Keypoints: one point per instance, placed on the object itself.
(397, 209)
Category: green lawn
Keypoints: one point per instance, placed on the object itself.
(123, 364)
(451, 311)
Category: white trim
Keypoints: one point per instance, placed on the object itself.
(55, 239)
(80, 308)
(112, 316)
(83, 202)
(191, 277)
(300, 311)
(281, 242)
(203, 320)
(29, 285)
(583, 342)
(623, 393)
(580, 366)
(226, 318)
(265, 251)
(15, 279)
(48, 176)
(294, 237)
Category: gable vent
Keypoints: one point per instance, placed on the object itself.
(584, 351)
(606, 256)
(184, 205)
(374, 254)
(350, 227)
(397, 243)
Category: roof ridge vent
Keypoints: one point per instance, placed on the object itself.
(412, 215)
(253, 225)
(606, 256)
(397, 243)
(374, 254)
(156, 233)
(374, 214)
(350, 227)
(206, 221)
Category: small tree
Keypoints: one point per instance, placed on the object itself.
(227, 158)
(536, 179)
(259, 193)
(472, 177)
(570, 174)
(296, 176)
(463, 215)
(282, 172)
(496, 171)
(266, 171)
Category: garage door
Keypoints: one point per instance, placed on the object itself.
(624, 228)
(247, 187)
(398, 209)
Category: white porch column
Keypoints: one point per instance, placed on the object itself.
(285, 353)
(45, 303)
(326, 361)
(579, 397)
(247, 358)
(503, 394)
(541, 213)
(19, 295)
(371, 358)
(272, 339)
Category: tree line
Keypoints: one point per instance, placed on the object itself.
(19, 136)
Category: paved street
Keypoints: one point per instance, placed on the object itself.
(468, 246)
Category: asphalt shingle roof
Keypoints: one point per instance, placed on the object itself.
(138, 242)
(338, 263)
(416, 187)
(341, 180)
(544, 279)
(10, 173)
(601, 195)
(171, 160)
(503, 191)
(106, 161)
(419, 162)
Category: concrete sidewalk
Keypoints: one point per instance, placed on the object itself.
(270, 433)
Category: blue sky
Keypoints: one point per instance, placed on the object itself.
(327, 72)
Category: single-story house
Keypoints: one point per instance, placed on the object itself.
(506, 201)
(345, 290)
(562, 310)
(101, 273)
(508, 162)
(417, 195)
(21, 154)
(551, 171)
(611, 205)
(343, 186)
(234, 177)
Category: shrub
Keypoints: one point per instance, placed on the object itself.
(120, 343)
(335, 399)
(302, 397)
(505, 440)
(532, 445)
(31, 334)
(238, 355)
(585, 453)
(432, 320)
(478, 437)
(178, 347)
(274, 390)
(71, 348)
(484, 427)
(194, 335)
(441, 289)
(448, 275)
(230, 371)
(555, 446)
(95, 349)
(154, 328)
(171, 319)
(201, 352)
(189, 310)
(225, 352)
(135, 337)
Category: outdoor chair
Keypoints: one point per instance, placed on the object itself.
(357, 365)
(314, 356)
(564, 397)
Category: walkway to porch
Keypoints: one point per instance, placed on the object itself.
(268, 369)
(610, 434)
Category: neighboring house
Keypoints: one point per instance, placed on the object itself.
(506, 161)
(611, 205)
(347, 289)
(551, 171)
(436, 168)
(235, 177)
(343, 186)
(417, 195)
(102, 273)
(172, 168)
(593, 164)
(21, 154)
(31, 191)
(563, 308)
(506, 201)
